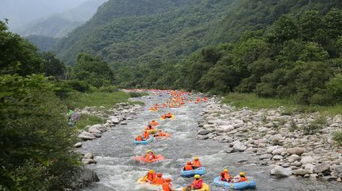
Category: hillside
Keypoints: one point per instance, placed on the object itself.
(132, 30)
(142, 31)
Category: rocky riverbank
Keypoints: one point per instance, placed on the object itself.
(118, 115)
(291, 144)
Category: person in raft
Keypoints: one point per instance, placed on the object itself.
(167, 186)
(150, 176)
(146, 135)
(154, 123)
(188, 166)
(196, 184)
(150, 155)
(196, 163)
(159, 180)
(225, 176)
(160, 133)
(149, 127)
(139, 138)
(240, 178)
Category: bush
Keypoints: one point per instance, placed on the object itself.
(337, 137)
(315, 126)
(136, 94)
(78, 85)
(36, 143)
(109, 89)
(86, 120)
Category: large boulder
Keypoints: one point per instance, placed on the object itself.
(238, 146)
(307, 159)
(203, 132)
(84, 178)
(278, 151)
(94, 129)
(296, 150)
(301, 172)
(281, 172)
(293, 158)
(322, 168)
(115, 120)
(86, 136)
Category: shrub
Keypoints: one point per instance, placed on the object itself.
(315, 126)
(136, 94)
(78, 85)
(109, 89)
(337, 137)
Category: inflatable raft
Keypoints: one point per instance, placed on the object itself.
(165, 135)
(172, 117)
(143, 159)
(147, 186)
(205, 187)
(191, 173)
(236, 186)
(152, 131)
(149, 140)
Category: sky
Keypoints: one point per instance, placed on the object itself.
(21, 12)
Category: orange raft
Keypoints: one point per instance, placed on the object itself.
(162, 135)
(145, 160)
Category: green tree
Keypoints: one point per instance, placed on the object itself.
(53, 66)
(36, 143)
(17, 55)
(92, 70)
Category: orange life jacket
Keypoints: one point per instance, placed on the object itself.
(159, 180)
(146, 135)
(225, 176)
(243, 179)
(196, 163)
(139, 138)
(150, 156)
(166, 186)
(151, 176)
(188, 167)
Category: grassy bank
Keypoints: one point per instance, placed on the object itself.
(254, 102)
(94, 99)
(97, 99)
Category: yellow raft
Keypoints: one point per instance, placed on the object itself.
(205, 187)
(145, 185)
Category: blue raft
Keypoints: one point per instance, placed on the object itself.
(191, 173)
(150, 139)
(236, 186)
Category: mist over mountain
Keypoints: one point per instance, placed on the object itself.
(21, 12)
(59, 25)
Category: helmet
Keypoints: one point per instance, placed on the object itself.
(151, 171)
(197, 176)
(196, 158)
(242, 174)
(188, 163)
(159, 174)
(225, 170)
(149, 151)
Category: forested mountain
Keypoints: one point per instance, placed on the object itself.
(59, 25)
(141, 31)
(274, 48)
(125, 30)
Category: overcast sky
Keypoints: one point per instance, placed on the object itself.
(20, 12)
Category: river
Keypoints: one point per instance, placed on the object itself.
(118, 172)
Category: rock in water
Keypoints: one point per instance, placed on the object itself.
(84, 178)
(296, 150)
(281, 172)
(238, 146)
(86, 136)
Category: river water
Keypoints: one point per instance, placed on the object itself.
(118, 172)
